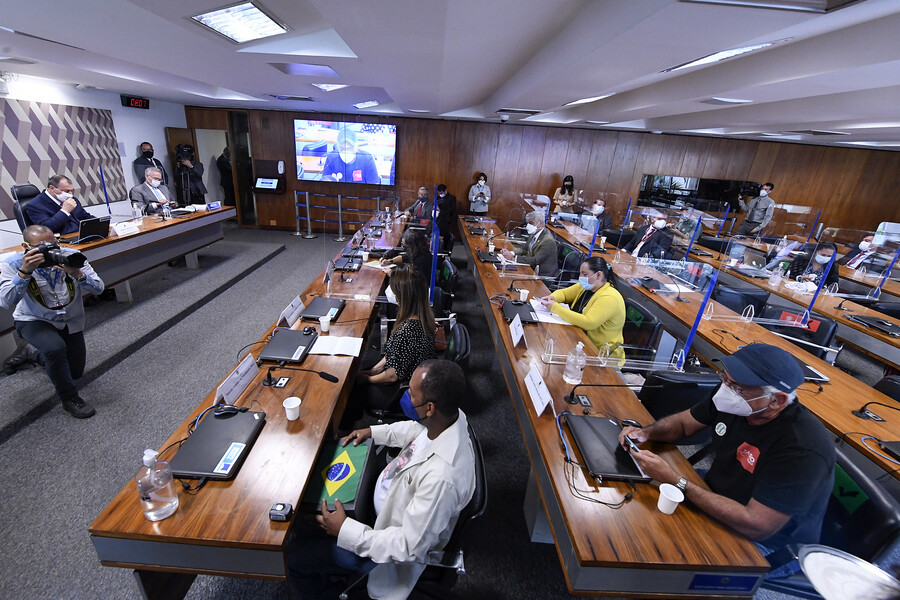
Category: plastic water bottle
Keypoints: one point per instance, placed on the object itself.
(167, 214)
(137, 213)
(575, 362)
(775, 277)
(156, 488)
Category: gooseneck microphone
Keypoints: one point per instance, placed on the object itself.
(270, 381)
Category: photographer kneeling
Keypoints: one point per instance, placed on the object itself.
(44, 284)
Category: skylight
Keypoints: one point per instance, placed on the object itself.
(241, 23)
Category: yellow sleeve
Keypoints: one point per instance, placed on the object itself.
(597, 312)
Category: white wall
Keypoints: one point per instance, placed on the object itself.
(133, 126)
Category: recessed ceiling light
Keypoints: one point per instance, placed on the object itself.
(591, 99)
(597, 122)
(723, 55)
(366, 104)
(723, 101)
(330, 87)
(417, 110)
(241, 23)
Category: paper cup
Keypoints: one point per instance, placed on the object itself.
(631, 225)
(325, 324)
(669, 498)
(603, 241)
(365, 256)
(523, 295)
(733, 262)
(491, 248)
(292, 408)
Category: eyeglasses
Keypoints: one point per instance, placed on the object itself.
(733, 385)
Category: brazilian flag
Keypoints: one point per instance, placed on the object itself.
(336, 474)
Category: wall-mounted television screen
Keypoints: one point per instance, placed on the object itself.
(345, 152)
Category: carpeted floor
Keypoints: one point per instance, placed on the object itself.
(59, 473)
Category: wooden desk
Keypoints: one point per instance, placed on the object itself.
(891, 286)
(603, 551)
(224, 528)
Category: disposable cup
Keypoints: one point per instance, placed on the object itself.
(292, 408)
(523, 295)
(491, 248)
(365, 256)
(603, 241)
(669, 498)
(631, 225)
(325, 324)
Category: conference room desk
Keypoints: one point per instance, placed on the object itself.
(633, 550)
(224, 527)
(891, 286)
(717, 338)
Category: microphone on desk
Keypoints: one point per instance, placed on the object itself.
(270, 381)
(863, 411)
(841, 306)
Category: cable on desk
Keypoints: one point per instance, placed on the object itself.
(187, 486)
(722, 333)
(873, 450)
(499, 296)
(238, 356)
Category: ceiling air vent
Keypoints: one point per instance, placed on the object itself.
(294, 98)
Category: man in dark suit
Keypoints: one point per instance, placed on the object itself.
(540, 250)
(446, 215)
(145, 160)
(151, 195)
(864, 255)
(651, 240)
(56, 208)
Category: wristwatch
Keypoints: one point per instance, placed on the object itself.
(682, 483)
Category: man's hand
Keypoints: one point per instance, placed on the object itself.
(357, 436)
(636, 434)
(187, 163)
(73, 271)
(69, 205)
(507, 254)
(655, 467)
(31, 260)
(331, 522)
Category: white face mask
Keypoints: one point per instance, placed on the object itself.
(823, 259)
(441, 195)
(530, 228)
(598, 210)
(348, 156)
(864, 245)
(729, 401)
(63, 196)
(659, 223)
(481, 182)
(391, 296)
(155, 182)
(763, 193)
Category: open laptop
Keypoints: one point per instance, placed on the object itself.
(218, 446)
(321, 307)
(754, 264)
(597, 439)
(289, 346)
(89, 230)
(526, 313)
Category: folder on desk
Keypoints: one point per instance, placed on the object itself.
(526, 313)
(218, 446)
(597, 439)
(321, 307)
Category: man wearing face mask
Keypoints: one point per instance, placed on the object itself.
(145, 161)
(417, 498)
(598, 212)
(56, 208)
(151, 195)
(864, 254)
(446, 216)
(539, 251)
(423, 208)
(773, 470)
(49, 313)
(759, 211)
(347, 163)
(652, 239)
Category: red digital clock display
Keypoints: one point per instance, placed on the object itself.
(135, 102)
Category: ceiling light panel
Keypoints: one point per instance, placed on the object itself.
(241, 23)
(723, 55)
(330, 87)
(366, 104)
(586, 100)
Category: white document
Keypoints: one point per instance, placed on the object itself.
(537, 389)
(675, 288)
(335, 345)
(235, 384)
(125, 228)
(517, 331)
(291, 313)
(544, 315)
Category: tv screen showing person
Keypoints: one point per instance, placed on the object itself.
(345, 152)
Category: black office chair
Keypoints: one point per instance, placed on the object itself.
(889, 386)
(642, 331)
(22, 195)
(862, 518)
(665, 393)
(617, 237)
(448, 276)
(820, 330)
(441, 575)
(892, 309)
(716, 244)
(569, 259)
(459, 345)
(442, 303)
(737, 299)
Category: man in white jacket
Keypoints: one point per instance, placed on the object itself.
(418, 497)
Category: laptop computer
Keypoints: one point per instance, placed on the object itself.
(883, 325)
(754, 264)
(811, 374)
(486, 256)
(348, 264)
(218, 446)
(89, 230)
(321, 307)
(526, 313)
(891, 448)
(597, 439)
(288, 345)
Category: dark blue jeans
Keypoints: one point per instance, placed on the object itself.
(63, 353)
(313, 558)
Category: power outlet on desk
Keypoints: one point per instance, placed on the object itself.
(583, 400)
(873, 416)
(282, 381)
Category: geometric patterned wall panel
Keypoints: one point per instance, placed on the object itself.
(38, 140)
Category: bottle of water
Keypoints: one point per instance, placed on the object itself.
(137, 213)
(156, 488)
(775, 277)
(167, 214)
(575, 362)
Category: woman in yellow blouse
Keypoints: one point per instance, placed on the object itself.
(594, 305)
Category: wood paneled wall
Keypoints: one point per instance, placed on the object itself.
(853, 187)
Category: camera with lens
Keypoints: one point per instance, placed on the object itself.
(55, 257)
(184, 152)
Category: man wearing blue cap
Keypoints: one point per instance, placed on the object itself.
(774, 461)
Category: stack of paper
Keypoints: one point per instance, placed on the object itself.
(335, 345)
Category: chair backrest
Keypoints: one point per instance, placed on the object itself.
(617, 237)
(448, 276)
(862, 517)
(737, 299)
(642, 328)
(665, 393)
(569, 259)
(459, 346)
(887, 308)
(821, 329)
(713, 243)
(439, 306)
(22, 195)
(889, 386)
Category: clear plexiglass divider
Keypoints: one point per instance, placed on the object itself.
(551, 357)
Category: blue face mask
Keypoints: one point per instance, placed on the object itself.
(583, 282)
(408, 409)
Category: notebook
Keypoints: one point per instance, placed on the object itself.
(597, 439)
(89, 230)
(526, 313)
(321, 307)
(288, 345)
(218, 446)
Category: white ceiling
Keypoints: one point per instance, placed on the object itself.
(469, 58)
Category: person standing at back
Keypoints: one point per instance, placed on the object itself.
(145, 161)
(479, 196)
(759, 211)
(446, 215)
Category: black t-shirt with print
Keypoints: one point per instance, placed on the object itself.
(786, 464)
